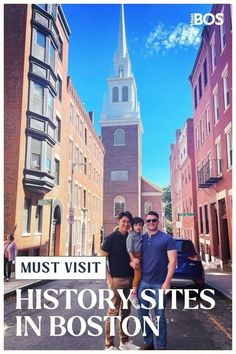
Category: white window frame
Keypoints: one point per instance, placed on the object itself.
(225, 84)
(222, 34)
(213, 53)
(120, 199)
(215, 95)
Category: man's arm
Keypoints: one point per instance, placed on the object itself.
(108, 274)
(172, 256)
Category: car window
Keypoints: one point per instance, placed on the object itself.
(185, 247)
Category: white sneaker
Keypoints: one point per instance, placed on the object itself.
(128, 346)
(112, 347)
(134, 301)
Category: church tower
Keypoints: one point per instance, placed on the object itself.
(121, 129)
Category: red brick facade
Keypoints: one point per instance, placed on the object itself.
(211, 83)
(52, 193)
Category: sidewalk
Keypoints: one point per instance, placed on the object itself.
(219, 280)
(13, 284)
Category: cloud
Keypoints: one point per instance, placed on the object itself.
(161, 39)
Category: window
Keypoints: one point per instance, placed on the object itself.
(85, 136)
(40, 49)
(208, 124)
(216, 105)
(197, 137)
(36, 150)
(229, 149)
(115, 94)
(189, 172)
(54, 10)
(38, 219)
(147, 206)
(37, 104)
(213, 55)
(218, 156)
(119, 205)
(226, 90)
(77, 123)
(60, 48)
(200, 86)
(70, 150)
(81, 128)
(222, 37)
(206, 219)
(58, 130)
(43, 6)
(119, 137)
(121, 71)
(205, 72)
(85, 165)
(57, 172)
(52, 56)
(77, 155)
(48, 158)
(210, 164)
(76, 203)
(201, 220)
(26, 216)
(84, 198)
(50, 104)
(125, 94)
(202, 130)
(59, 88)
(80, 197)
(119, 176)
(195, 97)
(71, 113)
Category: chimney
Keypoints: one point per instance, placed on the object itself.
(91, 116)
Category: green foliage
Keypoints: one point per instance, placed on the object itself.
(167, 202)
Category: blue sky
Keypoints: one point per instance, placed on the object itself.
(162, 47)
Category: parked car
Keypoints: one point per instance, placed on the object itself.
(189, 272)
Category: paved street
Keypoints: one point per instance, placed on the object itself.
(187, 329)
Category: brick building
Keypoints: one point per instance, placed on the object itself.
(183, 184)
(122, 138)
(53, 156)
(211, 83)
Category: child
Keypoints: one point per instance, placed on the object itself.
(134, 245)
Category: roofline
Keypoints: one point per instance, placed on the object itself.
(64, 21)
(152, 184)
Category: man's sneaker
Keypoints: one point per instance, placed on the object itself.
(128, 346)
(148, 347)
(134, 301)
(112, 347)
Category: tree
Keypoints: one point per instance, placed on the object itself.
(167, 202)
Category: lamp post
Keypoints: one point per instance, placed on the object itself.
(83, 229)
(72, 209)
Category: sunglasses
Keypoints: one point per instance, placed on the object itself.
(151, 220)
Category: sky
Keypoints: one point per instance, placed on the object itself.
(162, 46)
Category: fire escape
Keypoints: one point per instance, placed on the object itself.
(210, 173)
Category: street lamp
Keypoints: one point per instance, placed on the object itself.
(72, 209)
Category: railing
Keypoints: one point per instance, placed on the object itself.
(210, 173)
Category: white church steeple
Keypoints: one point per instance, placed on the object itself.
(122, 106)
(122, 51)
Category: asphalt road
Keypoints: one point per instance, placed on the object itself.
(198, 329)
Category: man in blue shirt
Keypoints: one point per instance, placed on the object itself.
(158, 267)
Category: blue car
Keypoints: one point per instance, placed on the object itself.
(189, 272)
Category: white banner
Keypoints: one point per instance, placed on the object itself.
(38, 267)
